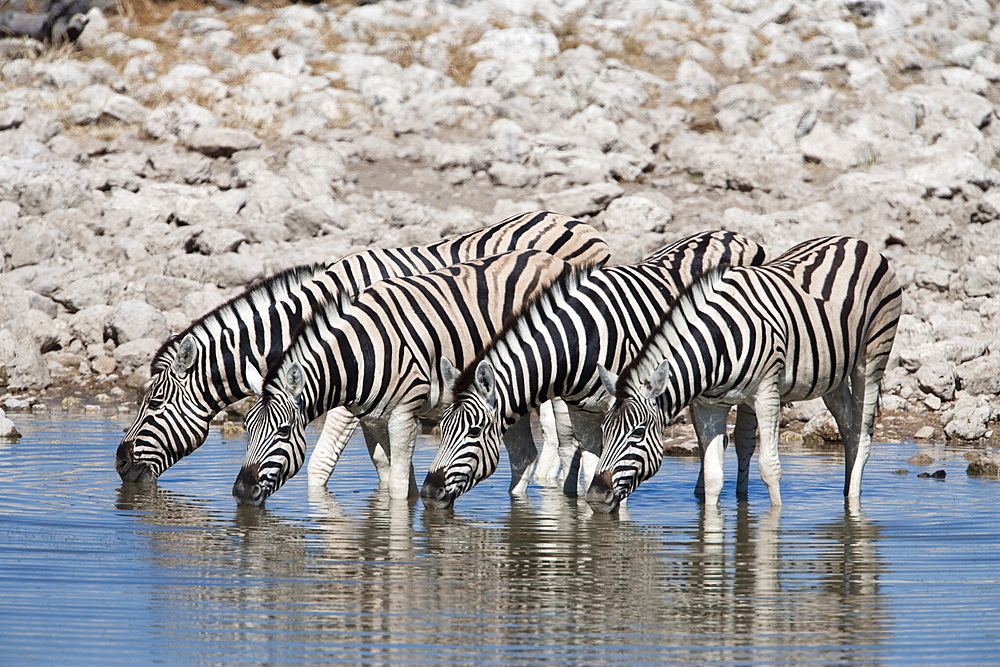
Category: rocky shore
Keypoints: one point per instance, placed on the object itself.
(172, 157)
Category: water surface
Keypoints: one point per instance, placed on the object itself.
(94, 571)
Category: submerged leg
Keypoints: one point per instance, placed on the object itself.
(547, 469)
(337, 431)
(377, 440)
(745, 439)
(522, 453)
(587, 426)
(864, 401)
(710, 426)
(402, 427)
(767, 405)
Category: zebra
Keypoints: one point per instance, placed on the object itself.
(201, 370)
(818, 321)
(552, 349)
(376, 356)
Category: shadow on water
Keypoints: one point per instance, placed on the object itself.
(91, 568)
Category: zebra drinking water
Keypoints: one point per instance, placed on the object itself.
(377, 356)
(203, 369)
(552, 348)
(817, 321)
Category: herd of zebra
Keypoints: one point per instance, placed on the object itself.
(478, 330)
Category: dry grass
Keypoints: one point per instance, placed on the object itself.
(461, 61)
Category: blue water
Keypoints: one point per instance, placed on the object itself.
(94, 572)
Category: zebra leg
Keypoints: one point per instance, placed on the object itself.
(840, 404)
(587, 426)
(377, 440)
(864, 395)
(547, 470)
(402, 426)
(521, 453)
(767, 405)
(710, 425)
(338, 428)
(745, 438)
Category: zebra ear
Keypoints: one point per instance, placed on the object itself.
(608, 379)
(254, 380)
(295, 380)
(657, 382)
(448, 373)
(486, 383)
(186, 352)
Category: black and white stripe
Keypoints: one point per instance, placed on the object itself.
(378, 357)
(203, 369)
(553, 349)
(818, 321)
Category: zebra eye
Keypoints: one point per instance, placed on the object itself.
(475, 431)
(284, 431)
(155, 403)
(639, 432)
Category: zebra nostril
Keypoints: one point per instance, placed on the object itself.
(123, 457)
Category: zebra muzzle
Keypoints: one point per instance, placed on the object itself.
(128, 468)
(601, 494)
(433, 492)
(247, 488)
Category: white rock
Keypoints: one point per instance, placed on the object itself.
(220, 141)
(583, 200)
(693, 82)
(636, 214)
(133, 319)
(513, 44)
(969, 418)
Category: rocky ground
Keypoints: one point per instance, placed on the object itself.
(178, 153)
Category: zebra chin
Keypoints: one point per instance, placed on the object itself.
(434, 493)
(601, 495)
(249, 489)
(129, 468)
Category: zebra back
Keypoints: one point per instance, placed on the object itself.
(814, 314)
(553, 345)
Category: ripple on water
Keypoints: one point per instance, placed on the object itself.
(91, 569)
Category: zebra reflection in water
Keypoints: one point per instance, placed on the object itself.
(383, 581)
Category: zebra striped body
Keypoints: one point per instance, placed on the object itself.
(553, 348)
(203, 369)
(377, 356)
(817, 321)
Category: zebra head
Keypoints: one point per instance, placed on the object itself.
(471, 433)
(276, 442)
(171, 423)
(632, 431)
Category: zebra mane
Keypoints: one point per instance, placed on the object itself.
(644, 363)
(331, 309)
(276, 287)
(570, 278)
